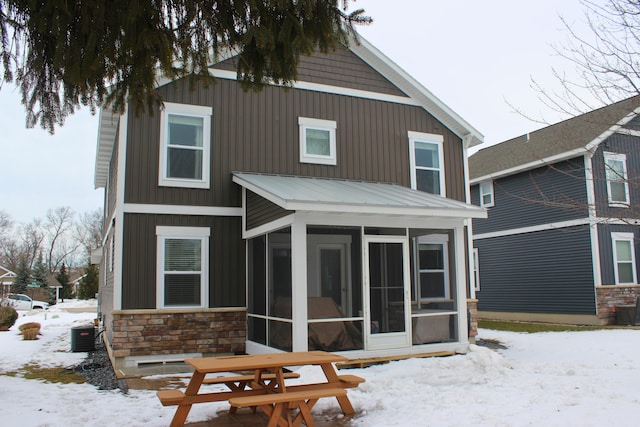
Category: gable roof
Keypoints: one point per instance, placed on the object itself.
(5, 273)
(348, 196)
(564, 140)
(108, 122)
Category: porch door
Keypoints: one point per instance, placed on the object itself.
(329, 269)
(387, 294)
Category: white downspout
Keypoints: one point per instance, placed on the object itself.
(469, 226)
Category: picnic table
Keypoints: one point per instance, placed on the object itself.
(264, 386)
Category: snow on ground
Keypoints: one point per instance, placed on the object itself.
(589, 378)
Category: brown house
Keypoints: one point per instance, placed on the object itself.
(331, 215)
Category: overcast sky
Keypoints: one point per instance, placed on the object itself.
(473, 55)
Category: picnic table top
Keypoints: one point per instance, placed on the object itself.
(263, 361)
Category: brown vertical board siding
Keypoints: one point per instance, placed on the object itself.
(343, 68)
(261, 135)
(226, 259)
(340, 67)
(261, 211)
(112, 183)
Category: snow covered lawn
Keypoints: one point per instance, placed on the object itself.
(589, 378)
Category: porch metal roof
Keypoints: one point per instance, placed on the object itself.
(297, 193)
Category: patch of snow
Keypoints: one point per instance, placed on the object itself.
(562, 379)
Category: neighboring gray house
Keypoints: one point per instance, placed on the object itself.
(560, 240)
(331, 215)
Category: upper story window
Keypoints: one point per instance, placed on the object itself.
(624, 258)
(185, 144)
(617, 185)
(317, 141)
(427, 162)
(182, 267)
(486, 194)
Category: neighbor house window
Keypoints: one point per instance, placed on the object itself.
(427, 163)
(616, 173)
(185, 146)
(486, 194)
(476, 268)
(182, 266)
(317, 141)
(624, 258)
(433, 275)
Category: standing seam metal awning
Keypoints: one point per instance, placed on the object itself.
(296, 193)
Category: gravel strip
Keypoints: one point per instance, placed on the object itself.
(97, 370)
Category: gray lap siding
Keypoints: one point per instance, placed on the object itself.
(542, 272)
(541, 196)
(226, 259)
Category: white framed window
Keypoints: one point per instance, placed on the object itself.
(185, 146)
(427, 162)
(317, 141)
(624, 258)
(476, 268)
(486, 194)
(182, 267)
(617, 185)
(433, 271)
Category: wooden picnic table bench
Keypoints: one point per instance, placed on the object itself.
(277, 405)
(268, 379)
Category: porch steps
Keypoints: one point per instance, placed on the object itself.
(364, 362)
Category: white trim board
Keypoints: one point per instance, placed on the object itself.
(142, 208)
(335, 90)
(533, 228)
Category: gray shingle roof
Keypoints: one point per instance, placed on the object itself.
(564, 138)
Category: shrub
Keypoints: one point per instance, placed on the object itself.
(29, 325)
(8, 317)
(30, 334)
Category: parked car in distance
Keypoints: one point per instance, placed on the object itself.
(24, 302)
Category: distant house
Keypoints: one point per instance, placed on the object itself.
(6, 280)
(327, 216)
(561, 239)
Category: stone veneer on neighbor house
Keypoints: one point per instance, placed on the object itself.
(165, 332)
(472, 312)
(610, 297)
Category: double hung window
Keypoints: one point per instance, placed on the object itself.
(432, 267)
(617, 185)
(624, 258)
(427, 163)
(182, 266)
(185, 146)
(486, 194)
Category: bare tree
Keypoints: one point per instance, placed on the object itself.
(89, 231)
(59, 222)
(605, 54)
(32, 236)
(6, 223)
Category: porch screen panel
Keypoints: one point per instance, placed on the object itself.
(257, 276)
(386, 289)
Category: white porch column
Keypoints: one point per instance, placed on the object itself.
(299, 285)
(461, 283)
